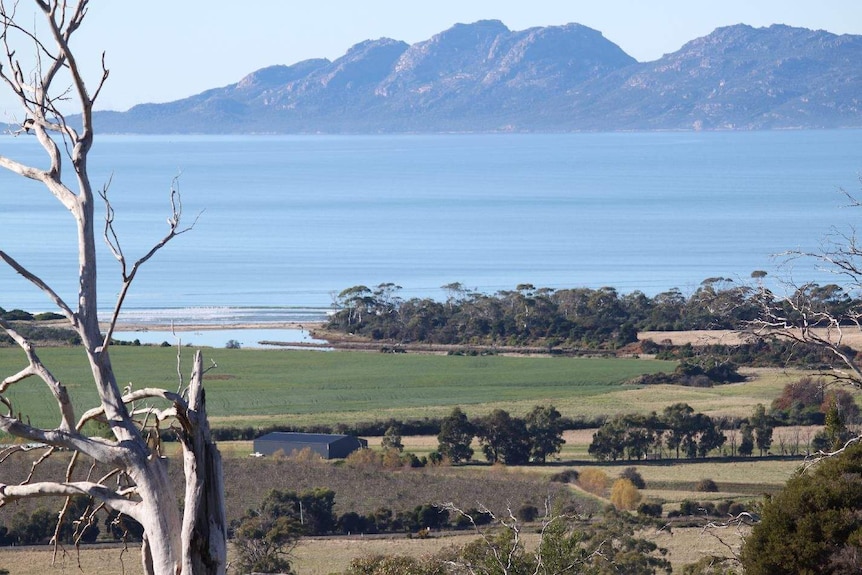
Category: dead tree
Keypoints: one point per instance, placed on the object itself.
(138, 485)
(821, 316)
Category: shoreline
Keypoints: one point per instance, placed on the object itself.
(186, 327)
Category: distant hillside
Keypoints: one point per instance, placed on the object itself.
(485, 77)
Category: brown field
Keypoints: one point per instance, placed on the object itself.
(849, 337)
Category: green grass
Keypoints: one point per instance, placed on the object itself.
(254, 387)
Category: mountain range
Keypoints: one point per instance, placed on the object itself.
(483, 77)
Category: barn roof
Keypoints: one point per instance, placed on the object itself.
(322, 438)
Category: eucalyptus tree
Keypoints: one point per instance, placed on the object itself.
(137, 484)
(456, 435)
(545, 431)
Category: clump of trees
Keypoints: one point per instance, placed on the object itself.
(808, 400)
(676, 432)
(503, 438)
(678, 429)
(570, 320)
(704, 371)
(581, 317)
(265, 537)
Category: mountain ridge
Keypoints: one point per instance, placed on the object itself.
(483, 77)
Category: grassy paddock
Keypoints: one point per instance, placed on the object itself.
(270, 387)
(259, 387)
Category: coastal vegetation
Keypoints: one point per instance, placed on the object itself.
(527, 315)
(582, 320)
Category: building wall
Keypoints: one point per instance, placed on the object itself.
(335, 449)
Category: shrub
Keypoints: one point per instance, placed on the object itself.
(711, 565)
(594, 481)
(706, 486)
(17, 315)
(305, 455)
(650, 509)
(624, 495)
(689, 507)
(567, 476)
(631, 473)
(394, 565)
(527, 513)
(435, 458)
(48, 316)
(364, 458)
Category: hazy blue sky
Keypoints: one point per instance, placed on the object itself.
(162, 50)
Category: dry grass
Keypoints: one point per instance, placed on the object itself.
(93, 560)
(850, 338)
(324, 556)
(689, 544)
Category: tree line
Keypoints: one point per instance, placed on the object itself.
(581, 317)
(676, 432)
(503, 438)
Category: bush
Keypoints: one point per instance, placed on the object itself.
(624, 495)
(594, 481)
(48, 316)
(364, 458)
(706, 486)
(631, 473)
(567, 476)
(689, 507)
(527, 513)
(650, 509)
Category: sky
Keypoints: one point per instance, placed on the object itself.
(165, 50)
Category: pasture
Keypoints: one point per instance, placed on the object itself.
(300, 387)
(270, 387)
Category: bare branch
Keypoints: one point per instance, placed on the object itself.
(36, 367)
(174, 230)
(35, 280)
(10, 493)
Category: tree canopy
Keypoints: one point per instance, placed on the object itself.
(814, 524)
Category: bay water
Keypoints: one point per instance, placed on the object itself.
(281, 224)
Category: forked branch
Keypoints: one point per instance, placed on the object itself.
(113, 242)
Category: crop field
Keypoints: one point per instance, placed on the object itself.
(270, 387)
(254, 387)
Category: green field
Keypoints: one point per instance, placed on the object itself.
(260, 387)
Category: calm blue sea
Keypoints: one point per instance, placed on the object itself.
(283, 223)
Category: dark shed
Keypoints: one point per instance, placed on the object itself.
(326, 445)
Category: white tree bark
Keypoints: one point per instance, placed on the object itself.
(172, 545)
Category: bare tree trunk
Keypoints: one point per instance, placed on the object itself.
(195, 543)
(204, 522)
